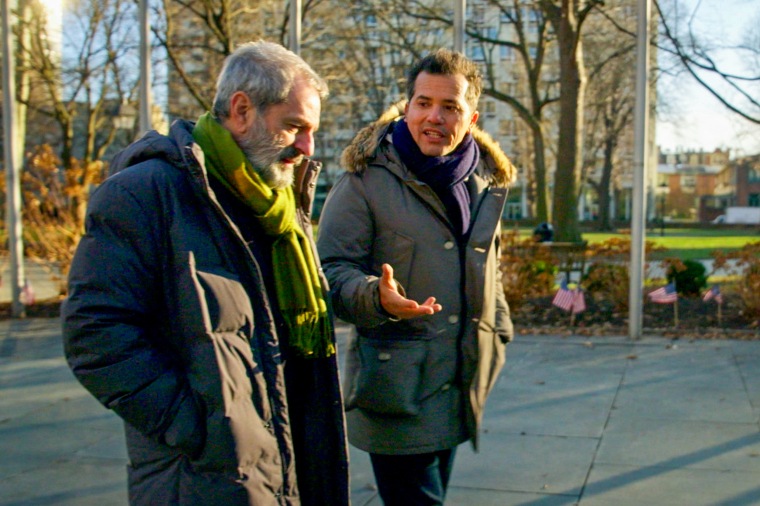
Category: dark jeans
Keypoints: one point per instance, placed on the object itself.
(413, 480)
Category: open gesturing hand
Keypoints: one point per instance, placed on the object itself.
(398, 305)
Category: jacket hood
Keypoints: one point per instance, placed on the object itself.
(363, 147)
(174, 147)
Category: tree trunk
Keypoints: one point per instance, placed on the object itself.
(572, 82)
(539, 165)
(604, 186)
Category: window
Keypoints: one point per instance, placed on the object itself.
(506, 127)
(754, 200)
(477, 53)
(507, 15)
(513, 211)
(506, 53)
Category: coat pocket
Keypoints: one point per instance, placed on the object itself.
(388, 376)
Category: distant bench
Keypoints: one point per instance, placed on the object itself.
(569, 257)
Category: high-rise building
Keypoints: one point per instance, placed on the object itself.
(364, 47)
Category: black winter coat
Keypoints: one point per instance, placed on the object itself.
(169, 324)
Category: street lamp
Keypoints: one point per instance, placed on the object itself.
(662, 191)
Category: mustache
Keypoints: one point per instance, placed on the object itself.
(290, 153)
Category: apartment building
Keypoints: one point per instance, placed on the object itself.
(363, 50)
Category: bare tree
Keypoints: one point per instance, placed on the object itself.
(610, 56)
(197, 35)
(692, 53)
(81, 88)
(567, 17)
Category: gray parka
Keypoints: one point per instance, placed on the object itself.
(419, 385)
(169, 324)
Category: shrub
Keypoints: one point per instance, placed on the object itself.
(689, 276)
(54, 202)
(608, 282)
(526, 271)
(608, 276)
(744, 263)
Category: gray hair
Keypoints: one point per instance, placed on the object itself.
(264, 71)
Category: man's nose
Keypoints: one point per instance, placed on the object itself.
(305, 143)
(436, 115)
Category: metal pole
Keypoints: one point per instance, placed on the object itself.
(641, 125)
(460, 7)
(295, 26)
(12, 175)
(145, 75)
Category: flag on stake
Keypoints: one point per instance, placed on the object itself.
(579, 302)
(713, 293)
(569, 300)
(27, 295)
(665, 295)
(563, 299)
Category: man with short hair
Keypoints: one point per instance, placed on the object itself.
(409, 240)
(196, 307)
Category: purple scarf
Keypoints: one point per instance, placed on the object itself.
(446, 175)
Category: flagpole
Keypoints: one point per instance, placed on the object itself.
(146, 107)
(640, 166)
(12, 166)
(460, 11)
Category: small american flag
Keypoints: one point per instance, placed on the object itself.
(665, 295)
(569, 300)
(713, 293)
(563, 299)
(579, 302)
(27, 295)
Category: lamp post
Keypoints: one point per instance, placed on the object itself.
(663, 191)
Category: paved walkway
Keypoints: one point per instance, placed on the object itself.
(586, 421)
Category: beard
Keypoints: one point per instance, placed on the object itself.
(266, 153)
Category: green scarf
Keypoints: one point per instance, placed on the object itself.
(299, 295)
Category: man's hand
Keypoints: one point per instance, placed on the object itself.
(398, 305)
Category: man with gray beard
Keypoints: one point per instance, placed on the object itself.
(196, 307)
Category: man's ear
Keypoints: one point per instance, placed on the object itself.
(474, 119)
(242, 114)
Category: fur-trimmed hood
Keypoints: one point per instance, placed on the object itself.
(363, 147)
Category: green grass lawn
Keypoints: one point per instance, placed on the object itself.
(683, 243)
(689, 243)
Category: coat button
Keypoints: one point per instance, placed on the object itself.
(445, 387)
(453, 319)
(448, 245)
(383, 356)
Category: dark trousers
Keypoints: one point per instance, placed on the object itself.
(413, 480)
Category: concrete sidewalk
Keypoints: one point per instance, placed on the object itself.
(587, 421)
